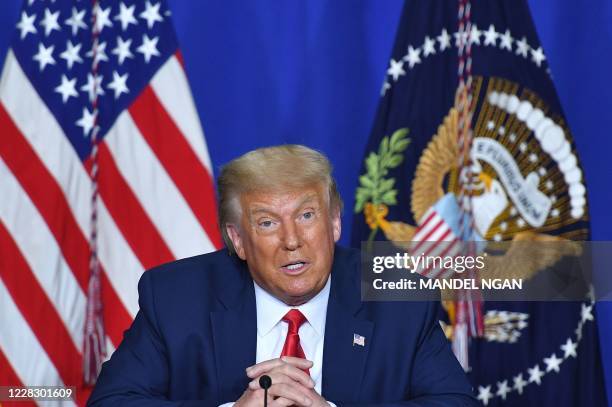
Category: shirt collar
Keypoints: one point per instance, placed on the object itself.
(270, 310)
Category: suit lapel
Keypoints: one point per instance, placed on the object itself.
(343, 360)
(235, 337)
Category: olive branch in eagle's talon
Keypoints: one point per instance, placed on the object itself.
(376, 192)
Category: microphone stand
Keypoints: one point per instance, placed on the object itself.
(265, 382)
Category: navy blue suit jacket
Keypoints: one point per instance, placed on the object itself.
(196, 332)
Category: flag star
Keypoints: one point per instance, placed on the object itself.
(490, 125)
(554, 213)
(444, 40)
(71, 54)
(76, 20)
(506, 41)
(520, 223)
(484, 394)
(122, 50)
(44, 56)
(490, 36)
(100, 53)
(67, 88)
(413, 57)
(386, 86)
(533, 157)
(569, 348)
(537, 56)
(151, 14)
(578, 331)
(501, 130)
(396, 69)
(118, 84)
(586, 313)
(503, 389)
(26, 24)
(86, 121)
(461, 38)
(148, 48)
(102, 17)
(126, 15)
(535, 375)
(552, 363)
(522, 48)
(93, 87)
(50, 22)
(519, 383)
(475, 34)
(429, 47)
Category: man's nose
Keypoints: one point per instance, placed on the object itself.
(292, 239)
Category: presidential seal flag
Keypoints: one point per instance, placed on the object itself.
(470, 144)
(104, 172)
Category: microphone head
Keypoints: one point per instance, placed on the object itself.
(265, 382)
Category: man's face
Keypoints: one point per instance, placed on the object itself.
(287, 239)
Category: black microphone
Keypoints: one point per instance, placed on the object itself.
(265, 382)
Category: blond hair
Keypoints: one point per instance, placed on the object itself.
(272, 169)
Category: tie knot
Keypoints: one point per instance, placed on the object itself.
(295, 319)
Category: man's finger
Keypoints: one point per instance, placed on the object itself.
(262, 367)
(285, 374)
(300, 363)
(292, 391)
(280, 402)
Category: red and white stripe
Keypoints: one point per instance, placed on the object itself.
(156, 204)
(434, 237)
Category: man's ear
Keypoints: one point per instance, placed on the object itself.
(234, 234)
(336, 225)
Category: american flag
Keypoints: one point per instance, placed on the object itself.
(102, 161)
(437, 235)
(358, 340)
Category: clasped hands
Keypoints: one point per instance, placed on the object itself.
(290, 384)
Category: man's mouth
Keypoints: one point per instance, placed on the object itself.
(295, 267)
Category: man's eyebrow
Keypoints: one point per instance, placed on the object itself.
(308, 199)
(259, 208)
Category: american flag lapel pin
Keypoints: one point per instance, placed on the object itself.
(358, 340)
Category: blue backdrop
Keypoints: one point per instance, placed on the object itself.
(268, 72)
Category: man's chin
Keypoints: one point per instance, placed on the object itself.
(298, 296)
(295, 302)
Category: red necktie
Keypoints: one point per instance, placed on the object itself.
(292, 346)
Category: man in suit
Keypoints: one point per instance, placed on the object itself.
(284, 301)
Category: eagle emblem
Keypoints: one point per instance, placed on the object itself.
(525, 182)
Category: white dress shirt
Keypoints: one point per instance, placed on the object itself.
(272, 330)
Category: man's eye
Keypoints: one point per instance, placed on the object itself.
(265, 223)
(308, 215)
